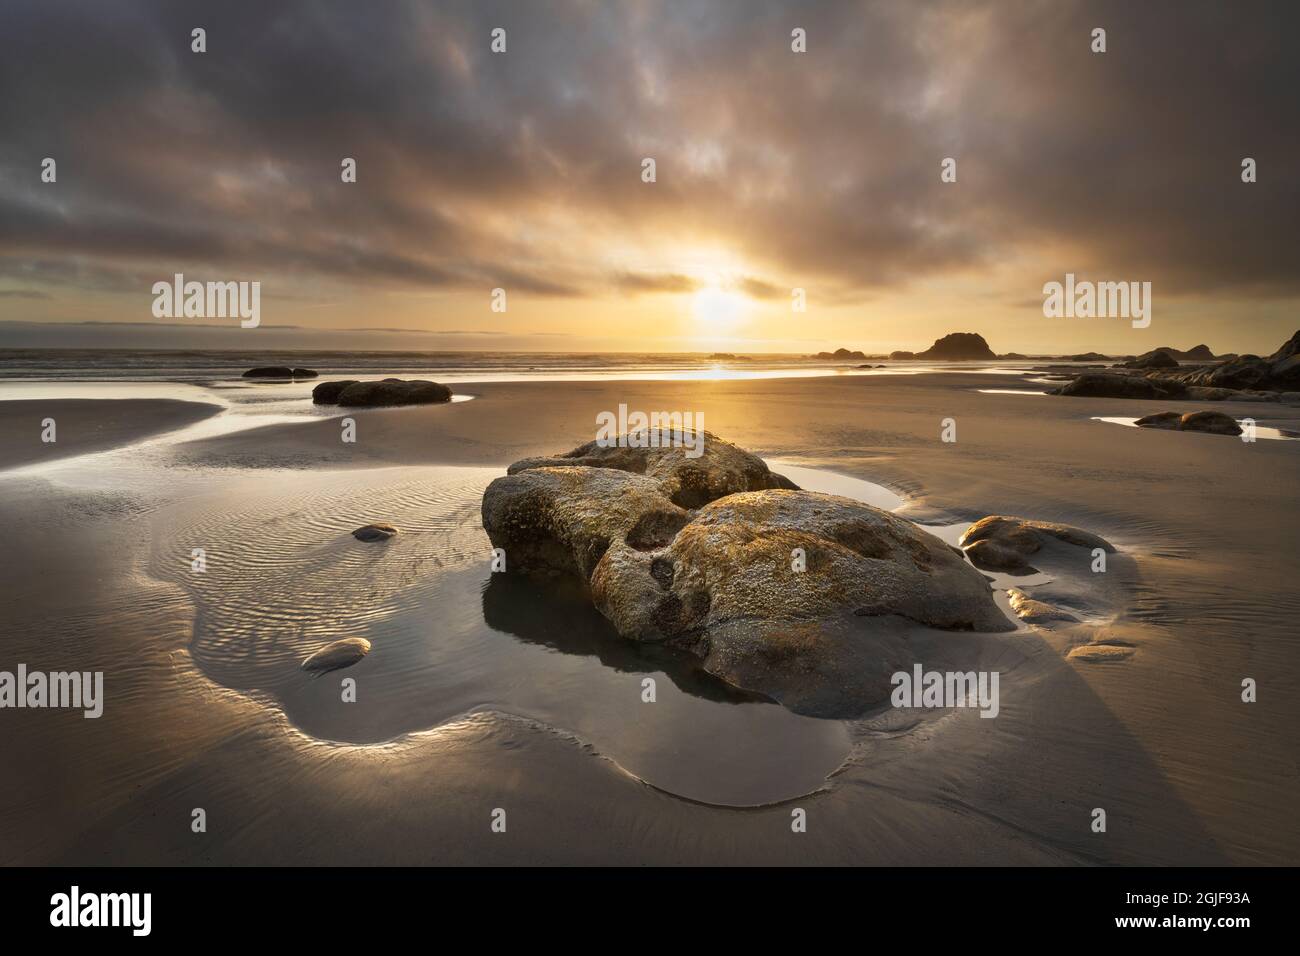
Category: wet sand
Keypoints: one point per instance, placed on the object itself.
(479, 698)
(88, 425)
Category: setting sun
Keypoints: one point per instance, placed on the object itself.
(717, 308)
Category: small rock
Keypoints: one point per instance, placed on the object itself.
(1025, 536)
(374, 532)
(342, 653)
(1100, 653)
(1036, 612)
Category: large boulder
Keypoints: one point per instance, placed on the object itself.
(720, 469)
(386, 392)
(777, 590)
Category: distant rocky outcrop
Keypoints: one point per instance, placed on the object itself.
(1278, 372)
(841, 355)
(697, 554)
(1167, 357)
(902, 356)
(727, 357)
(1089, 357)
(1159, 358)
(958, 347)
(279, 371)
(386, 392)
(1157, 374)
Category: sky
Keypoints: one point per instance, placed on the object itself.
(775, 170)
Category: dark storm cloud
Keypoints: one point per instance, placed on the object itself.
(521, 170)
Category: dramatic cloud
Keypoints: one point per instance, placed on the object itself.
(523, 170)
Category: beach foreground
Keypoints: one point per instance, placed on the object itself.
(483, 694)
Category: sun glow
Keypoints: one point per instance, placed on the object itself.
(716, 308)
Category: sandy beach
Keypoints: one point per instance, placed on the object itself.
(483, 693)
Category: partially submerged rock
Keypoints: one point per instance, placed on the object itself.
(342, 653)
(1002, 542)
(384, 393)
(1160, 420)
(375, 532)
(327, 393)
(1216, 423)
(701, 554)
